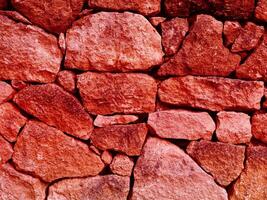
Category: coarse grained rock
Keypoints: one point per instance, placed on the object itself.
(7, 92)
(261, 10)
(231, 30)
(122, 165)
(6, 152)
(67, 79)
(102, 121)
(259, 126)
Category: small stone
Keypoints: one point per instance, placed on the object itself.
(122, 165)
(18, 85)
(52, 155)
(106, 157)
(102, 121)
(7, 92)
(6, 152)
(156, 21)
(14, 16)
(128, 139)
(261, 10)
(233, 127)
(113, 42)
(108, 187)
(164, 171)
(223, 161)
(62, 43)
(95, 150)
(231, 30)
(173, 33)
(56, 107)
(259, 126)
(182, 124)
(212, 93)
(67, 80)
(106, 93)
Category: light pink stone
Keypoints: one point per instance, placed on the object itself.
(122, 165)
(101, 120)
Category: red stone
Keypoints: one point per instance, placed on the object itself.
(67, 79)
(261, 10)
(259, 126)
(6, 152)
(212, 93)
(106, 93)
(14, 16)
(124, 138)
(52, 155)
(182, 124)
(164, 171)
(231, 30)
(110, 41)
(122, 165)
(106, 157)
(56, 107)
(62, 43)
(18, 85)
(202, 52)
(7, 92)
(156, 21)
(101, 120)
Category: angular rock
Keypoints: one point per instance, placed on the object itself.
(182, 124)
(7, 92)
(11, 121)
(54, 16)
(109, 187)
(231, 30)
(110, 41)
(53, 155)
(56, 107)
(122, 165)
(6, 152)
(128, 139)
(202, 52)
(156, 21)
(67, 80)
(101, 120)
(106, 93)
(173, 33)
(27, 52)
(106, 157)
(212, 93)
(15, 185)
(259, 126)
(164, 171)
(223, 161)
(15, 16)
(233, 127)
(261, 10)
(62, 43)
(3, 4)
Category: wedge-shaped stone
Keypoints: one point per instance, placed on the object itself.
(6, 152)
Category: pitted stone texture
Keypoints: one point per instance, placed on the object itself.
(52, 155)
(109, 41)
(67, 80)
(27, 52)
(102, 121)
(231, 30)
(56, 107)
(164, 171)
(106, 93)
(259, 126)
(122, 165)
(6, 92)
(261, 10)
(212, 93)
(6, 152)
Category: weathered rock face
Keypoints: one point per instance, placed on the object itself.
(102, 121)
(233, 127)
(15, 185)
(6, 152)
(252, 184)
(109, 41)
(109, 187)
(259, 126)
(27, 52)
(231, 30)
(7, 92)
(67, 79)
(54, 16)
(176, 175)
(182, 124)
(202, 52)
(56, 107)
(124, 138)
(212, 93)
(223, 161)
(145, 7)
(122, 165)
(52, 155)
(106, 93)
(261, 10)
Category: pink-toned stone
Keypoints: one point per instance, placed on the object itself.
(231, 30)
(212, 93)
(15, 16)
(106, 157)
(106, 93)
(122, 165)
(252, 184)
(6, 152)
(109, 187)
(3, 4)
(173, 33)
(95, 150)
(50, 154)
(128, 139)
(145, 7)
(156, 21)
(182, 124)
(164, 171)
(7, 92)
(261, 10)
(223, 161)
(248, 38)
(18, 85)
(259, 126)
(67, 80)
(202, 52)
(233, 127)
(11, 121)
(56, 107)
(101, 120)
(54, 16)
(110, 41)
(62, 43)
(16, 186)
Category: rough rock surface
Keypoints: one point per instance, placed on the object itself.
(202, 52)
(231, 30)
(18, 85)
(109, 41)
(261, 10)
(52, 155)
(259, 126)
(212, 93)
(106, 157)
(164, 171)
(106, 93)
(101, 120)
(6, 152)
(182, 124)
(122, 165)
(156, 21)
(233, 127)
(15, 16)
(27, 52)
(67, 80)
(223, 161)
(128, 139)
(54, 16)
(7, 92)
(56, 107)
(109, 187)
